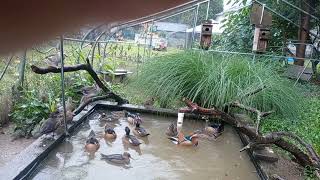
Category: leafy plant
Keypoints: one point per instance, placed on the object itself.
(28, 112)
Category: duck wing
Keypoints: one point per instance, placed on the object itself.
(174, 140)
(115, 158)
(112, 157)
(142, 132)
(133, 140)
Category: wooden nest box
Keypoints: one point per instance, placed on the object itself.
(206, 34)
(260, 41)
(261, 18)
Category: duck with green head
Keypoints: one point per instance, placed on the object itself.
(130, 139)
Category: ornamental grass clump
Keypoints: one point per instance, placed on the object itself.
(215, 80)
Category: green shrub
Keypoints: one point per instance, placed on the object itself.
(215, 80)
(28, 112)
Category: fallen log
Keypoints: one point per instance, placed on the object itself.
(307, 157)
(87, 67)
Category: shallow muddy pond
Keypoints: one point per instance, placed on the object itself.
(157, 157)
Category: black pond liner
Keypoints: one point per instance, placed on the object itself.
(24, 165)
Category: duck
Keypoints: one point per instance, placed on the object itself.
(92, 143)
(149, 102)
(50, 126)
(182, 140)
(140, 131)
(130, 139)
(214, 129)
(133, 118)
(117, 158)
(109, 132)
(69, 117)
(118, 114)
(107, 118)
(172, 130)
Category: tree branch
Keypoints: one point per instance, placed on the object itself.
(87, 102)
(253, 110)
(254, 92)
(277, 138)
(87, 67)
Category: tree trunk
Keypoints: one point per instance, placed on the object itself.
(22, 68)
(303, 33)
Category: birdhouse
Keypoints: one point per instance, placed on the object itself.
(260, 41)
(206, 33)
(260, 15)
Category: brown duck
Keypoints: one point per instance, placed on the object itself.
(109, 132)
(92, 144)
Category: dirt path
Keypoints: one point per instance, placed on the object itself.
(8, 148)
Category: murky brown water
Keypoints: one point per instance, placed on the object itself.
(157, 158)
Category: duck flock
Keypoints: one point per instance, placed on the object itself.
(135, 121)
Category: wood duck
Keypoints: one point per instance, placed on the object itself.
(140, 131)
(117, 158)
(133, 118)
(172, 130)
(92, 144)
(109, 132)
(130, 139)
(182, 140)
(50, 126)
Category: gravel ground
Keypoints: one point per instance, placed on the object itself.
(9, 148)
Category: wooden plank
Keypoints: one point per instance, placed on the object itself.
(294, 72)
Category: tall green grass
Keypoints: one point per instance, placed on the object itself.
(215, 80)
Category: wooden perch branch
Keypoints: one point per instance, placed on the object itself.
(87, 67)
(87, 102)
(253, 110)
(311, 158)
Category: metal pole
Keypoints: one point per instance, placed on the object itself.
(208, 8)
(62, 87)
(138, 57)
(194, 24)
(151, 36)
